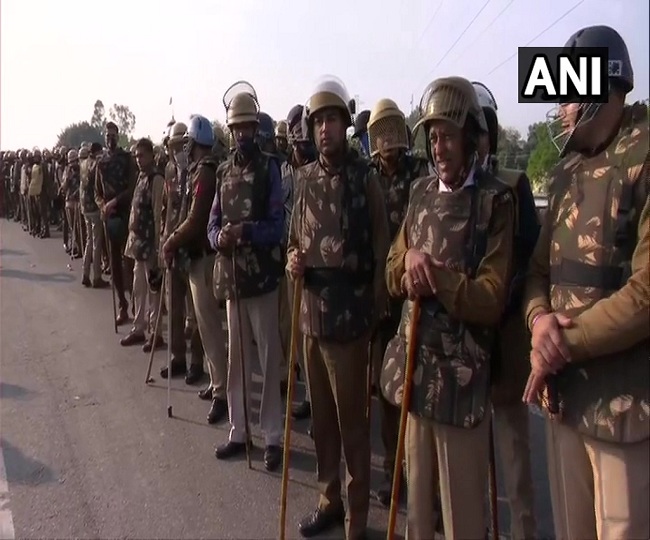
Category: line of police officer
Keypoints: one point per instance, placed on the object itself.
(558, 313)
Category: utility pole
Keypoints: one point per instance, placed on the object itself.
(358, 102)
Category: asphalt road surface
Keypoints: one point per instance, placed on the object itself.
(88, 449)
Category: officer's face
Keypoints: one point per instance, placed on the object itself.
(111, 138)
(447, 149)
(281, 143)
(144, 158)
(244, 131)
(329, 131)
(569, 115)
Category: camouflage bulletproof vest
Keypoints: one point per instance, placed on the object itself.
(243, 191)
(334, 228)
(594, 208)
(396, 189)
(451, 378)
(140, 243)
(36, 181)
(115, 170)
(87, 187)
(173, 197)
(72, 182)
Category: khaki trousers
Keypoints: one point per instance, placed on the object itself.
(512, 443)
(462, 465)
(146, 302)
(259, 321)
(93, 248)
(599, 490)
(337, 381)
(210, 319)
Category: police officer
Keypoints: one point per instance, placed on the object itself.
(94, 231)
(587, 306)
(302, 152)
(246, 225)
(338, 243)
(116, 175)
(388, 145)
(282, 138)
(189, 241)
(512, 349)
(142, 246)
(265, 135)
(454, 252)
(361, 131)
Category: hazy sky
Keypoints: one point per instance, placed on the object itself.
(58, 57)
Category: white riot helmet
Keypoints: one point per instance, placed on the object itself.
(329, 91)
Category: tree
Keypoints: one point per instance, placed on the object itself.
(125, 120)
(511, 149)
(75, 134)
(98, 119)
(544, 156)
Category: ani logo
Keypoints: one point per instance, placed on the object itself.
(561, 75)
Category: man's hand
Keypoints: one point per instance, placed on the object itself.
(110, 206)
(539, 370)
(168, 252)
(226, 238)
(548, 340)
(418, 278)
(296, 264)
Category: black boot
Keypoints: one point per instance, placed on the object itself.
(194, 374)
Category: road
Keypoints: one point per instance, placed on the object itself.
(88, 449)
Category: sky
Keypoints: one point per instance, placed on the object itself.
(58, 58)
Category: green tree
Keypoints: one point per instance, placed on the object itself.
(73, 135)
(98, 119)
(125, 120)
(544, 156)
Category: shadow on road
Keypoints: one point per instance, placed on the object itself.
(13, 391)
(59, 277)
(22, 469)
(12, 252)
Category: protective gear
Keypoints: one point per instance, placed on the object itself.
(178, 131)
(485, 98)
(72, 155)
(241, 104)
(83, 153)
(581, 276)
(265, 130)
(489, 105)
(361, 123)
(297, 133)
(200, 131)
(452, 99)
(619, 72)
(281, 130)
(329, 91)
(386, 127)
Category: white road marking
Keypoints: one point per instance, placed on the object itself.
(6, 519)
